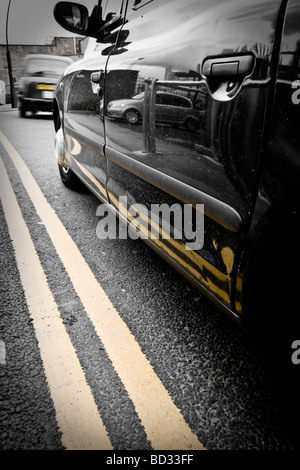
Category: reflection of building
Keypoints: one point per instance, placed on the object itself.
(196, 94)
(197, 97)
(63, 46)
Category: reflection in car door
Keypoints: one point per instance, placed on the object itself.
(164, 109)
(168, 108)
(226, 75)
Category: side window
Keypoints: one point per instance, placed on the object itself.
(162, 99)
(181, 102)
(82, 97)
(172, 100)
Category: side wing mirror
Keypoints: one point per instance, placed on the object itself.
(72, 16)
(75, 18)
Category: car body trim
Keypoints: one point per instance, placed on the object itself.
(215, 209)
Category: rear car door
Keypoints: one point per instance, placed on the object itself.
(220, 56)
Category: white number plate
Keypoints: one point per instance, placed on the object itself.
(48, 95)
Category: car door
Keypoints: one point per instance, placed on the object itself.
(218, 55)
(83, 118)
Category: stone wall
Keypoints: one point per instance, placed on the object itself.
(62, 46)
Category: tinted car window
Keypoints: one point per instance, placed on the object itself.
(181, 102)
(163, 99)
(172, 100)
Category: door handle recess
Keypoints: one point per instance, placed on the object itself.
(235, 66)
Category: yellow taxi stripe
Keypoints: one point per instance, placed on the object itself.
(41, 86)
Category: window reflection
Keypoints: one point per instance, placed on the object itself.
(84, 107)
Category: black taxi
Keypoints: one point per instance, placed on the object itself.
(39, 76)
(237, 64)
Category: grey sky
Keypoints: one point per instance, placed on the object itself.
(32, 21)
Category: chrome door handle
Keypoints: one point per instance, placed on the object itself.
(234, 66)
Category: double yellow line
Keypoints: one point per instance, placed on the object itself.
(77, 414)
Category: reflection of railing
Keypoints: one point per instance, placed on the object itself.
(149, 105)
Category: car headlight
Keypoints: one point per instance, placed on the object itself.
(116, 105)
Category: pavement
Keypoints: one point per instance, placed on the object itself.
(6, 107)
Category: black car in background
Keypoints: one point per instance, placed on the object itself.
(40, 74)
(237, 62)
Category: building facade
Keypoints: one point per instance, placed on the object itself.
(62, 46)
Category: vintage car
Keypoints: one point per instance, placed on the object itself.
(39, 76)
(237, 62)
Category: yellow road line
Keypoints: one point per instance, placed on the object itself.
(76, 411)
(163, 422)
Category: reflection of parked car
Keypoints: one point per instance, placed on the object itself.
(38, 81)
(169, 108)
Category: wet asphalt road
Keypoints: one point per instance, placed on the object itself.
(216, 377)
